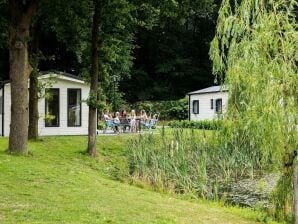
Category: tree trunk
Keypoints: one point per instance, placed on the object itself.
(21, 14)
(94, 80)
(33, 106)
(295, 192)
(288, 157)
(33, 90)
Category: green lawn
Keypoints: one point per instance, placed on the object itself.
(57, 183)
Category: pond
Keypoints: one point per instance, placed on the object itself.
(249, 192)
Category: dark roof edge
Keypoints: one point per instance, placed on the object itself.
(61, 73)
(2, 83)
(224, 90)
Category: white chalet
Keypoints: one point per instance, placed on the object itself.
(62, 112)
(208, 103)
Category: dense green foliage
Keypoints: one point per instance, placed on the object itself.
(204, 124)
(173, 109)
(261, 72)
(3, 37)
(255, 48)
(148, 49)
(57, 183)
(170, 59)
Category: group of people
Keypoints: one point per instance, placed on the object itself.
(132, 118)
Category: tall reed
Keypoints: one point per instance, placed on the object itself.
(176, 162)
(188, 161)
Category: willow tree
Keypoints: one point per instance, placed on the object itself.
(254, 52)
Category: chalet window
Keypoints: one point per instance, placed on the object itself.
(218, 105)
(211, 104)
(1, 110)
(1, 101)
(74, 107)
(52, 108)
(195, 107)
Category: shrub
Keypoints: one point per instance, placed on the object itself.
(101, 125)
(166, 109)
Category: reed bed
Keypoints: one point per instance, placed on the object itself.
(176, 162)
(187, 161)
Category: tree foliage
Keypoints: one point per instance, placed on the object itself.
(255, 48)
(254, 52)
(3, 36)
(170, 57)
(156, 49)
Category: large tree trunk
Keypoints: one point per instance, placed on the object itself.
(21, 13)
(94, 79)
(295, 192)
(33, 91)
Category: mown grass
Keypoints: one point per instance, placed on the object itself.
(58, 183)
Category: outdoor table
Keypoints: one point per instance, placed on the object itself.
(126, 121)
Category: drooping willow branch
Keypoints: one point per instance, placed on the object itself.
(254, 52)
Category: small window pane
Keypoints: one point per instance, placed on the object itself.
(52, 108)
(211, 104)
(74, 107)
(195, 107)
(218, 105)
(1, 101)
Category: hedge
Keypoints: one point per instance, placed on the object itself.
(204, 124)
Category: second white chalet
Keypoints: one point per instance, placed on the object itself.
(207, 104)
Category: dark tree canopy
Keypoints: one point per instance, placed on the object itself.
(172, 56)
(157, 50)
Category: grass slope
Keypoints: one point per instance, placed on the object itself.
(59, 184)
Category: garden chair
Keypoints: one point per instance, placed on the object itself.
(151, 123)
(124, 123)
(110, 124)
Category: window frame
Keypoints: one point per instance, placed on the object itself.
(218, 112)
(58, 125)
(198, 107)
(68, 90)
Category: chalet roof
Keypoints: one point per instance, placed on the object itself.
(61, 73)
(211, 89)
(53, 73)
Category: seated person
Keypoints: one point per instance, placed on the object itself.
(123, 114)
(125, 123)
(143, 115)
(117, 121)
(152, 122)
(155, 117)
(133, 122)
(106, 115)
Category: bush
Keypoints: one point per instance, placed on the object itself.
(101, 126)
(166, 109)
(204, 124)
